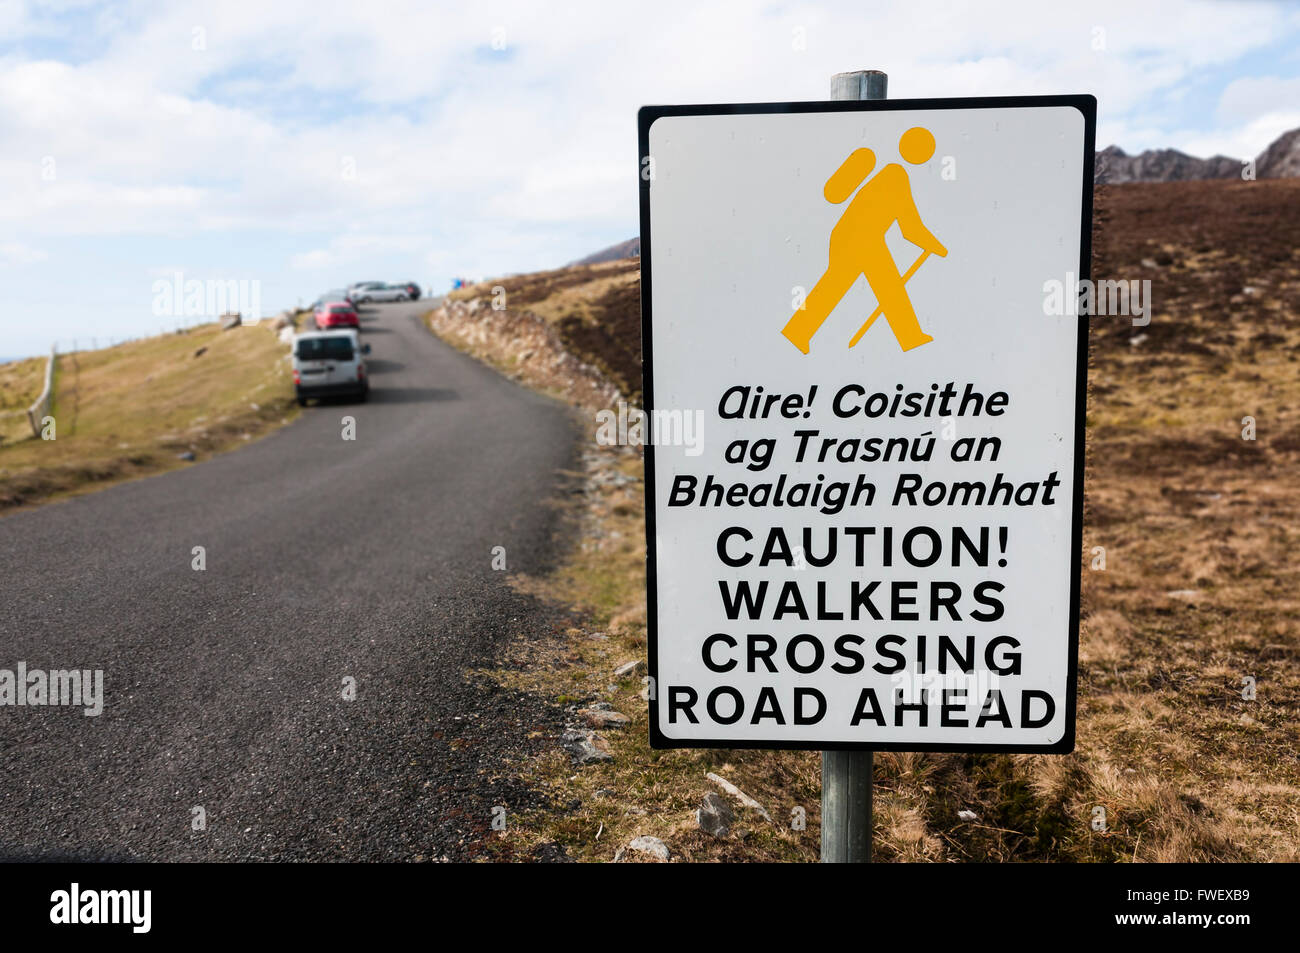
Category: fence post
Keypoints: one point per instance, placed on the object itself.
(37, 411)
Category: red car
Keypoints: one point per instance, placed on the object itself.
(336, 314)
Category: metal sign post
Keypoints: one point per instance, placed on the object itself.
(846, 775)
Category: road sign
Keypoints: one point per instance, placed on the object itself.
(876, 542)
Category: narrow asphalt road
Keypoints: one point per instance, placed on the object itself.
(327, 560)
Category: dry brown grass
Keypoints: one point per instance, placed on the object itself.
(551, 294)
(1201, 588)
(20, 385)
(1199, 526)
(131, 410)
(556, 295)
(595, 309)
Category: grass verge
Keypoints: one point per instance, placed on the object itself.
(139, 408)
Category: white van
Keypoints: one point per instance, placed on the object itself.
(330, 363)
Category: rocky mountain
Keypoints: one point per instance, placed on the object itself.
(1114, 165)
(628, 249)
(1281, 160)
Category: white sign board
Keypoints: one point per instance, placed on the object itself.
(864, 307)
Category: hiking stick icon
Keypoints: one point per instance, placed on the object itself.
(858, 249)
(878, 312)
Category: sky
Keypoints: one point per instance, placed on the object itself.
(302, 146)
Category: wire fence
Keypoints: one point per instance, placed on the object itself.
(98, 343)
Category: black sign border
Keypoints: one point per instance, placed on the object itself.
(646, 117)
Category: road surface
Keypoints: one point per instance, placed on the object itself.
(326, 560)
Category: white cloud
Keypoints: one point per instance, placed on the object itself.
(477, 160)
(352, 249)
(546, 133)
(15, 254)
(1252, 97)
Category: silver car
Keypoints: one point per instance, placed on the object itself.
(357, 287)
(372, 292)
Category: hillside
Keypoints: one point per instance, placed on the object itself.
(141, 408)
(1199, 524)
(1197, 590)
(596, 309)
(20, 385)
(628, 249)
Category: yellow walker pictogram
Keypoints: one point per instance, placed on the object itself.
(858, 249)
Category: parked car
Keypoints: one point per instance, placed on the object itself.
(412, 289)
(330, 363)
(334, 294)
(354, 290)
(336, 314)
(382, 293)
